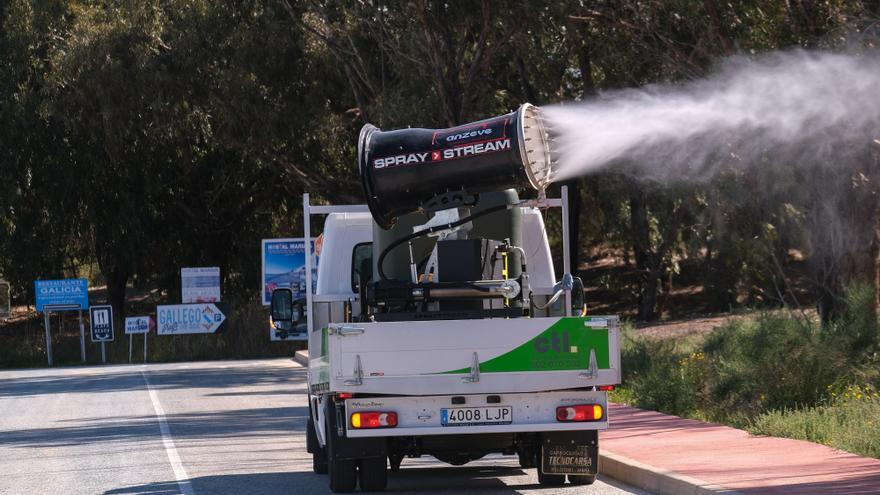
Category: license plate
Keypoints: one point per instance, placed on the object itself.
(473, 416)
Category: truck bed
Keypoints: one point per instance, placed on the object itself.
(469, 356)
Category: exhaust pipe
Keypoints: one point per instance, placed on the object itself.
(404, 170)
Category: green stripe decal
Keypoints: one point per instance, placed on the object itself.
(565, 346)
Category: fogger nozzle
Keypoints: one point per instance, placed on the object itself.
(401, 170)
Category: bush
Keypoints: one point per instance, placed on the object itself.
(776, 374)
(851, 422)
(656, 372)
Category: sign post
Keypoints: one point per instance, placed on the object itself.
(48, 337)
(61, 295)
(180, 319)
(101, 320)
(135, 325)
(82, 336)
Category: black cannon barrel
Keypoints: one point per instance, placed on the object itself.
(402, 169)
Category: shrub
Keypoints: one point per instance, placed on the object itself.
(850, 421)
(742, 370)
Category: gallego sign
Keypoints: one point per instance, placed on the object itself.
(68, 292)
(179, 319)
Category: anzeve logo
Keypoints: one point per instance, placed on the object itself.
(555, 342)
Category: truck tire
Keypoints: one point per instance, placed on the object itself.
(547, 479)
(343, 472)
(319, 463)
(319, 454)
(581, 479)
(550, 479)
(373, 474)
(343, 476)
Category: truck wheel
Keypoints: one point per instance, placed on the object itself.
(550, 479)
(343, 472)
(319, 454)
(581, 479)
(343, 476)
(373, 474)
(547, 479)
(319, 463)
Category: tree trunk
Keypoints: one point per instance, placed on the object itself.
(117, 280)
(845, 237)
(641, 242)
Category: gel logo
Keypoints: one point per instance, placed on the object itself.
(554, 342)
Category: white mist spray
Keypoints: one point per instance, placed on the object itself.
(807, 106)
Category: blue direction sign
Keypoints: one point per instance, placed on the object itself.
(101, 318)
(68, 292)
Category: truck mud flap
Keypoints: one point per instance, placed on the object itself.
(342, 447)
(570, 452)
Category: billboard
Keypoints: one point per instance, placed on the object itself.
(284, 267)
(67, 292)
(200, 284)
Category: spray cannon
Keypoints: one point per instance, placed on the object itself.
(434, 169)
(457, 187)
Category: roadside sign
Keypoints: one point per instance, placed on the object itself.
(137, 325)
(200, 284)
(284, 266)
(179, 319)
(101, 319)
(67, 292)
(5, 302)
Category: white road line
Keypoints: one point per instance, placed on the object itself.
(183, 481)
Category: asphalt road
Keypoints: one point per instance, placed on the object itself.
(232, 427)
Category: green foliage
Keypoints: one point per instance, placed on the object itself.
(783, 373)
(139, 137)
(848, 422)
(658, 377)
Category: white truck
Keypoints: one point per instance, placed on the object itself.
(452, 337)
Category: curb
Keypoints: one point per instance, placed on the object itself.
(634, 473)
(301, 358)
(653, 479)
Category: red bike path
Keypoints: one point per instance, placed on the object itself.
(668, 454)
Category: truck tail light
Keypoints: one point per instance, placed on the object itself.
(373, 419)
(580, 412)
(606, 388)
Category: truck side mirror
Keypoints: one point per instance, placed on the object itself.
(282, 309)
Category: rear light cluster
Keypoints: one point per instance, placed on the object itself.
(580, 412)
(373, 419)
(606, 388)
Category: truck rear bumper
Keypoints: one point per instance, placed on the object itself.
(474, 414)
